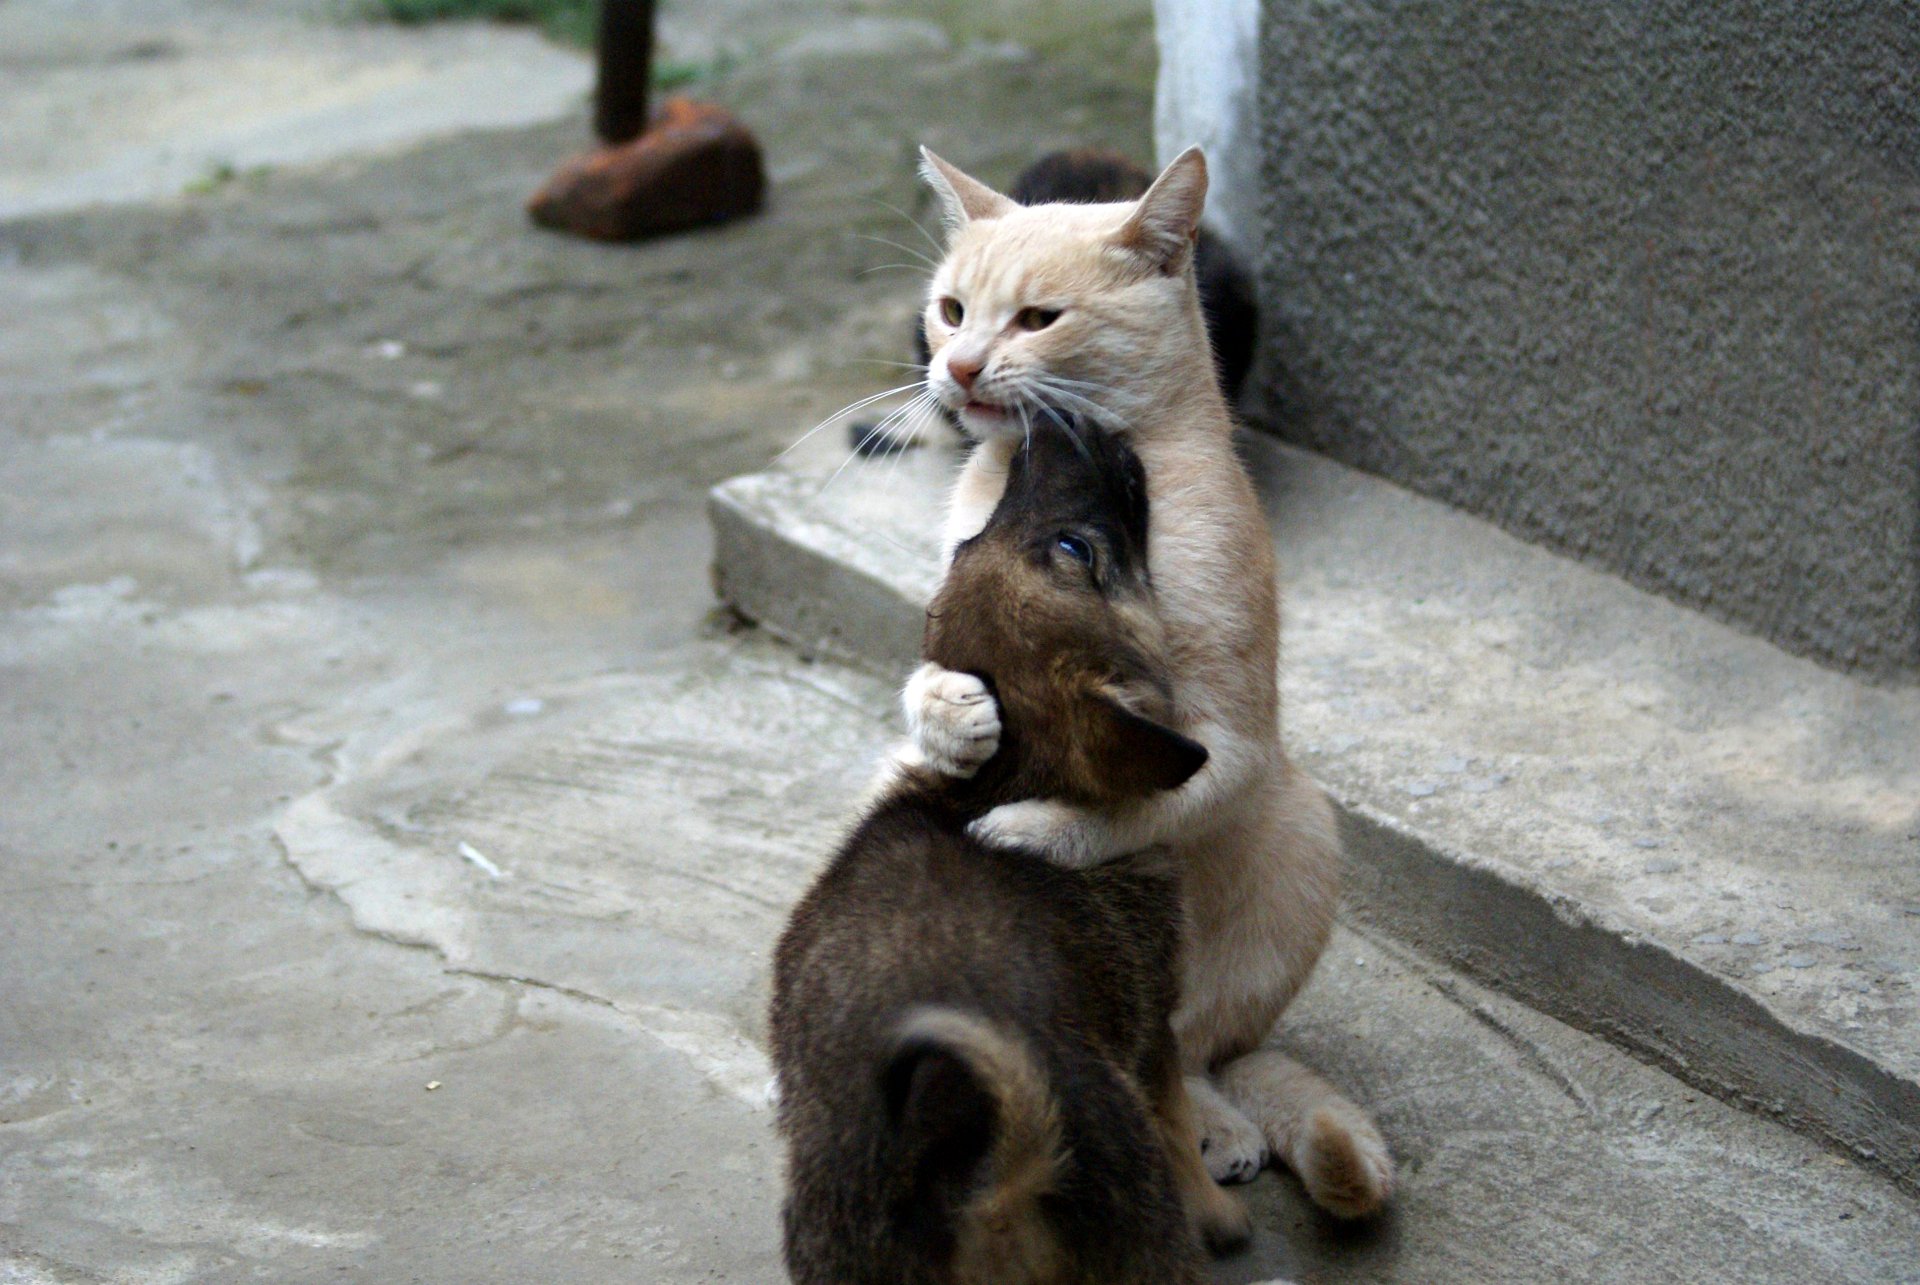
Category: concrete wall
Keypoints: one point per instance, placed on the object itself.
(1640, 281)
(1207, 93)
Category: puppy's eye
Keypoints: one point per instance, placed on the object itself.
(951, 312)
(1036, 318)
(1076, 548)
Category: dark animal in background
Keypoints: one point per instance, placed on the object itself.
(978, 1078)
(1085, 176)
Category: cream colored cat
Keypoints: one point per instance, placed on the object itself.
(1093, 308)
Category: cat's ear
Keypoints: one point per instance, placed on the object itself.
(962, 197)
(1166, 219)
(1142, 756)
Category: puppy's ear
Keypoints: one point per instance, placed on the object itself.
(1137, 756)
(976, 1125)
(962, 197)
(942, 1115)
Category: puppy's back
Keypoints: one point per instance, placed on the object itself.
(959, 1033)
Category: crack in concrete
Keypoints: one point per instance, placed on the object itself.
(1530, 1051)
(95, 885)
(1449, 988)
(713, 1046)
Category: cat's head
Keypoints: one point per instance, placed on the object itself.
(1052, 604)
(1089, 308)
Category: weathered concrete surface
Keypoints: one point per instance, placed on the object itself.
(1636, 281)
(131, 100)
(1643, 821)
(349, 520)
(647, 853)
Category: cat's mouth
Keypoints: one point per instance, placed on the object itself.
(986, 419)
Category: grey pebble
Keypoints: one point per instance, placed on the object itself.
(1748, 939)
(1800, 961)
(1647, 843)
(1453, 767)
(1663, 866)
(1421, 789)
(1762, 969)
(1839, 941)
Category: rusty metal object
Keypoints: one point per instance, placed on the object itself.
(682, 164)
(695, 164)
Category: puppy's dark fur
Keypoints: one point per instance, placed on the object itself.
(978, 1079)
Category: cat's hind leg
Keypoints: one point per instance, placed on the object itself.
(1231, 1146)
(1328, 1141)
(1220, 1220)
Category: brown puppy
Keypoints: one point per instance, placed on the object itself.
(979, 1081)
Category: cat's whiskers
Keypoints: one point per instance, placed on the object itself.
(1026, 424)
(1120, 395)
(918, 226)
(906, 424)
(1045, 393)
(933, 265)
(1073, 434)
(889, 428)
(848, 410)
(1039, 391)
(877, 432)
(924, 406)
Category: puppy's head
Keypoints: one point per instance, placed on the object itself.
(1052, 604)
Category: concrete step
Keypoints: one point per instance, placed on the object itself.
(1617, 811)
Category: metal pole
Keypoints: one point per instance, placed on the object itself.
(626, 70)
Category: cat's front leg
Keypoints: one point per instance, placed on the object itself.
(1066, 835)
(1079, 837)
(952, 719)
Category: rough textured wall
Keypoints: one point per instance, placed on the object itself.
(1639, 281)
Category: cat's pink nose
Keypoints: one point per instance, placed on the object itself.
(964, 370)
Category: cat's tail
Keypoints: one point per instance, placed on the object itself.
(1328, 1141)
(949, 1073)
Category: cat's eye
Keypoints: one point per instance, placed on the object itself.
(951, 312)
(1076, 548)
(1036, 318)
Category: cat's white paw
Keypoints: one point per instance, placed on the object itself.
(1232, 1146)
(1053, 830)
(953, 720)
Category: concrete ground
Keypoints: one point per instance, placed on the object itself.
(127, 100)
(392, 831)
